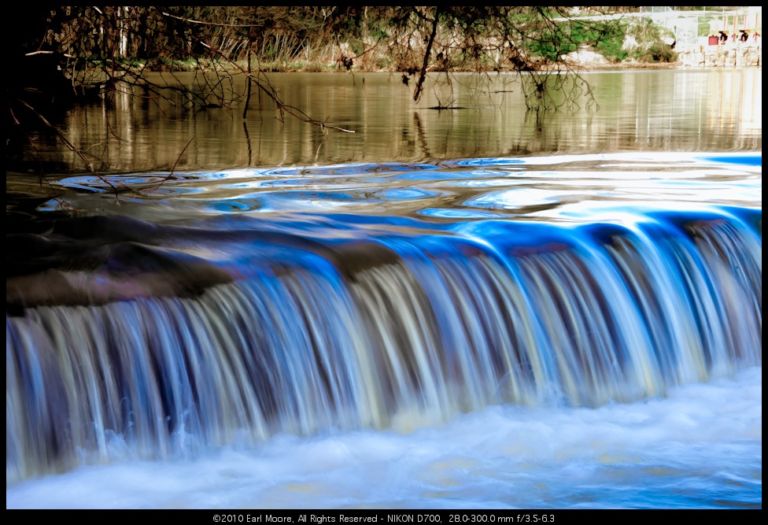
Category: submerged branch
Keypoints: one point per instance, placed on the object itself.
(270, 92)
(427, 52)
(79, 152)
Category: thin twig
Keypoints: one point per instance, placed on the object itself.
(248, 81)
(70, 145)
(248, 141)
(291, 110)
(201, 22)
(173, 168)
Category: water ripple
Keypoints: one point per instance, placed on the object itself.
(562, 188)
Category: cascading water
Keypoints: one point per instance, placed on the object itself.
(234, 329)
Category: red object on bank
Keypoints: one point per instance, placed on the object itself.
(713, 40)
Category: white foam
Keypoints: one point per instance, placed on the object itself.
(700, 446)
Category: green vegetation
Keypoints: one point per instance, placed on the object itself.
(605, 37)
(350, 37)
(657, 52)
(68, 53)
(650, 44)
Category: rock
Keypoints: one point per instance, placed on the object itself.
(585, 56)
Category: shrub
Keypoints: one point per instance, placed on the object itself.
(657, 52)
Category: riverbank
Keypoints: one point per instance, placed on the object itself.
(703, 58)
(337, 66)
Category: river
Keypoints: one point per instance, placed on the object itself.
(477, 307)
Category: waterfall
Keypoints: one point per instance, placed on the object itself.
(419, 327)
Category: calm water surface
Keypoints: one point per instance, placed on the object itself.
(638, 110)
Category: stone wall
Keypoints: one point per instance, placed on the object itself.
(729, 54)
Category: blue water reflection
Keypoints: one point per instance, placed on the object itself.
(581, 299)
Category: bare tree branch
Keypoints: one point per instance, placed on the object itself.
(425, 63)
(270, 92)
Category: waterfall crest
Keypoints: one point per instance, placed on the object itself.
(482, 313)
